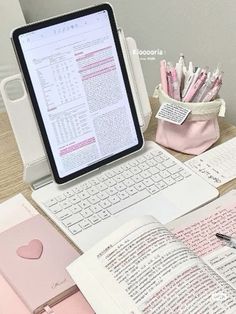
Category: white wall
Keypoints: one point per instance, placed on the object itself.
(10, 17)
(203, 29)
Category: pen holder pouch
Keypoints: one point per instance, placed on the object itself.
(198, 132)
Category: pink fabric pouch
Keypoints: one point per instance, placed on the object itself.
(197, 133)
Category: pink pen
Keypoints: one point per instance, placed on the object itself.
(213, 92)
(175, 83)
(197, 85)
(170, 84)
(163, 76)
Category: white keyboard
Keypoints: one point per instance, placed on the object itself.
(110, 192)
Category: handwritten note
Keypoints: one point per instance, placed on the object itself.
(218, 165)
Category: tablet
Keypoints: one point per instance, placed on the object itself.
(75, 74)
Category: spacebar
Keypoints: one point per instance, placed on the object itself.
(128, 202)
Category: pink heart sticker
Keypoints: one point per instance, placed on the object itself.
(33, 250)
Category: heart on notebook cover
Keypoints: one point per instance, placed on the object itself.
(33, 250)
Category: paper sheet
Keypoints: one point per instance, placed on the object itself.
(218, 165)
(15, 210)
(197, 230)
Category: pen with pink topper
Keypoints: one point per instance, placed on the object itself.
(190, 84)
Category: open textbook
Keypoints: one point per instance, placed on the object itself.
(143, 268)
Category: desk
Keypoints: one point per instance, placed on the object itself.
(11, 166)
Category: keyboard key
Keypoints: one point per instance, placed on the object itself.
(110, 182)
(169, 181)
(85, 224)
(175, 169)
(102, 186)
(105, 203)
(140, 186)
(118, 170)
(127, 174)
(86, 185)
(169, 163)
(143, 167)
(145, 174)
(50, 202)
(128, 182)
(156, 152)
(102, 177)
(84, 204)
(83, 195)
(161, 185)
(102, 195)
(153, 189)
(151, 163)
(165, 156)
(55, 208)
(148, 182)
(141, 159)
(153, 170)
(159, 159)
(86, 213)
(64, 213)
(94, 181)
(133, 163)
(104, 214)
(66, 203)
(69, 193)
(111, 190)
(120, 186)
(60, 198)
(94, 219)
(122, 195)
(148, 155)
(156, 178)
(164, 173)
(77, 189)
(125, 167)
(93, 190)
(75, 229)
(72, 220)
(75, 199)
(75, 208)
(94, 199)
(135, 170)
(96, 208)
(131, 190)
(110, 173)
(114, 199)
(137, 178)
(177, 177)
(160, 167)
(119, 178)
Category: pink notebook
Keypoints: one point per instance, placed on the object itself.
(33, 261)
(10, 303)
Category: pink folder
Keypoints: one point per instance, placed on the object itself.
(11, 304)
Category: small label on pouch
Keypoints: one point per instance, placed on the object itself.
(173, 113)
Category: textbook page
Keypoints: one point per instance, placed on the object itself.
(197, 230)
(143, 268)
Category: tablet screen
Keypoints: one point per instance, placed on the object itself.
(80, 92)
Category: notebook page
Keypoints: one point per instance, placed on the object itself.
(143, 268)
(217, 165)
(197, 230)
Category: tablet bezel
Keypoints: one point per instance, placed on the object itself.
(24, 69)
